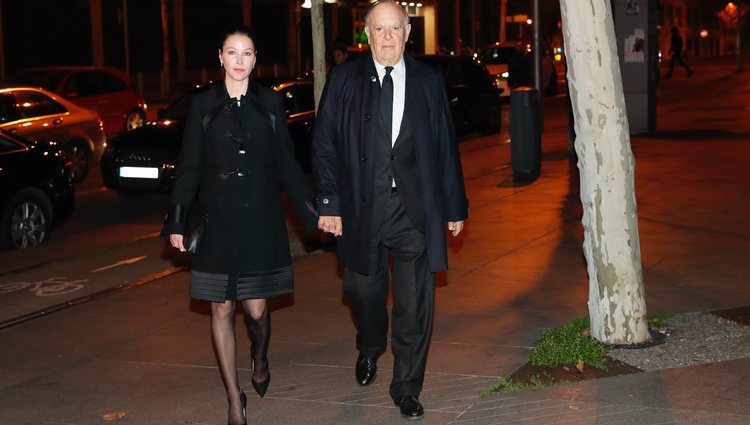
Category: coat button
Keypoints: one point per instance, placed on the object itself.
(364, 158)
(367, 118)
(326, 201)
(393, 157)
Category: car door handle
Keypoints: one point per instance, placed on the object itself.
(57, 121)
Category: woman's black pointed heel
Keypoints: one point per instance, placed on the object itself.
(260, 335)
(243, 401)
(260, 386)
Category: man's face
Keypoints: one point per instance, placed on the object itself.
(339, 57)
(387, 33)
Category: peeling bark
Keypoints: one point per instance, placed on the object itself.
(617, 306)
(319, 49)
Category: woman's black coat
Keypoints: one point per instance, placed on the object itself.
(236, 158)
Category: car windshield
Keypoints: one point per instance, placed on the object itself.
(497, 54)
(178, 110)
(436, 61)
(48, 80)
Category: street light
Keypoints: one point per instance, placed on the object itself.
(306, 4)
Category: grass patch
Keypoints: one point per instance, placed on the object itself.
(561, 355)
(658, 322)
(508, 385)
(569, 344)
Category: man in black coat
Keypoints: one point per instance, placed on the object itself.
(389, 177)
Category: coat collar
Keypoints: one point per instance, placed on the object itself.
(366, 66)
(220, 89)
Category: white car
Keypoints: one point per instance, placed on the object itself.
(496, 56)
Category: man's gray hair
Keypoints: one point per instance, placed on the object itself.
(393, 2)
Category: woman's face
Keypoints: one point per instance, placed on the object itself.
(238, 56)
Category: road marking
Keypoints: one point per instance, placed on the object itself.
(119, 263)
(48, 287)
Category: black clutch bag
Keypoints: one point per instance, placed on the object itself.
(196, 220)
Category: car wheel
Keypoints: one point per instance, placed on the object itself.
(134, 119)
(80, 157)
(26, 221)
(492, 122)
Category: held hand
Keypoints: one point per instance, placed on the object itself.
(455, 227)
(177, 241)
(330, 224)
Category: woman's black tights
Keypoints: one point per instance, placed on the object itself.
(225, 348)
(260, 335)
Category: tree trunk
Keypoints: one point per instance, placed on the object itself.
(166, 64)
(97, 43)
(503, 16)
(617, 306)
(2, 45)
(319, 48)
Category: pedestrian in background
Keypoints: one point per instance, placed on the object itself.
(519, 66)
(389, 177)
(236, 155)
(339, 54)
(675, 48)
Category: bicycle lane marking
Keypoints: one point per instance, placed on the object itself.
(47, 287)
(98, 271)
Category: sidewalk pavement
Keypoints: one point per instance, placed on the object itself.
(516, 271)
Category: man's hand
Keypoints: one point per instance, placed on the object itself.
(177, 241)
(330, 224)
(455, 227)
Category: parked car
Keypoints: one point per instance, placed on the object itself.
(105, 90)
(146, 158)
(474, 98)
(38, 114)
(496, 57)
(36, 191)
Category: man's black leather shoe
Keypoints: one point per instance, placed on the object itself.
(365, 370)
(410, 407)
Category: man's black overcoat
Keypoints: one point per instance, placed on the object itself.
(343, 145)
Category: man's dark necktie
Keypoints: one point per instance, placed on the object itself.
(386, 102)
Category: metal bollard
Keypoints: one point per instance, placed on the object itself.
(525, 134)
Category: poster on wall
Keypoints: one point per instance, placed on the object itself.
(632, 8)
(635, 45)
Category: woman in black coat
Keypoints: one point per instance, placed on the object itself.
(236, 155)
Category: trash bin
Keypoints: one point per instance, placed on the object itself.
(525, 134)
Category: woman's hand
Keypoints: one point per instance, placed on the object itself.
(455, 227)
(177, 241)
